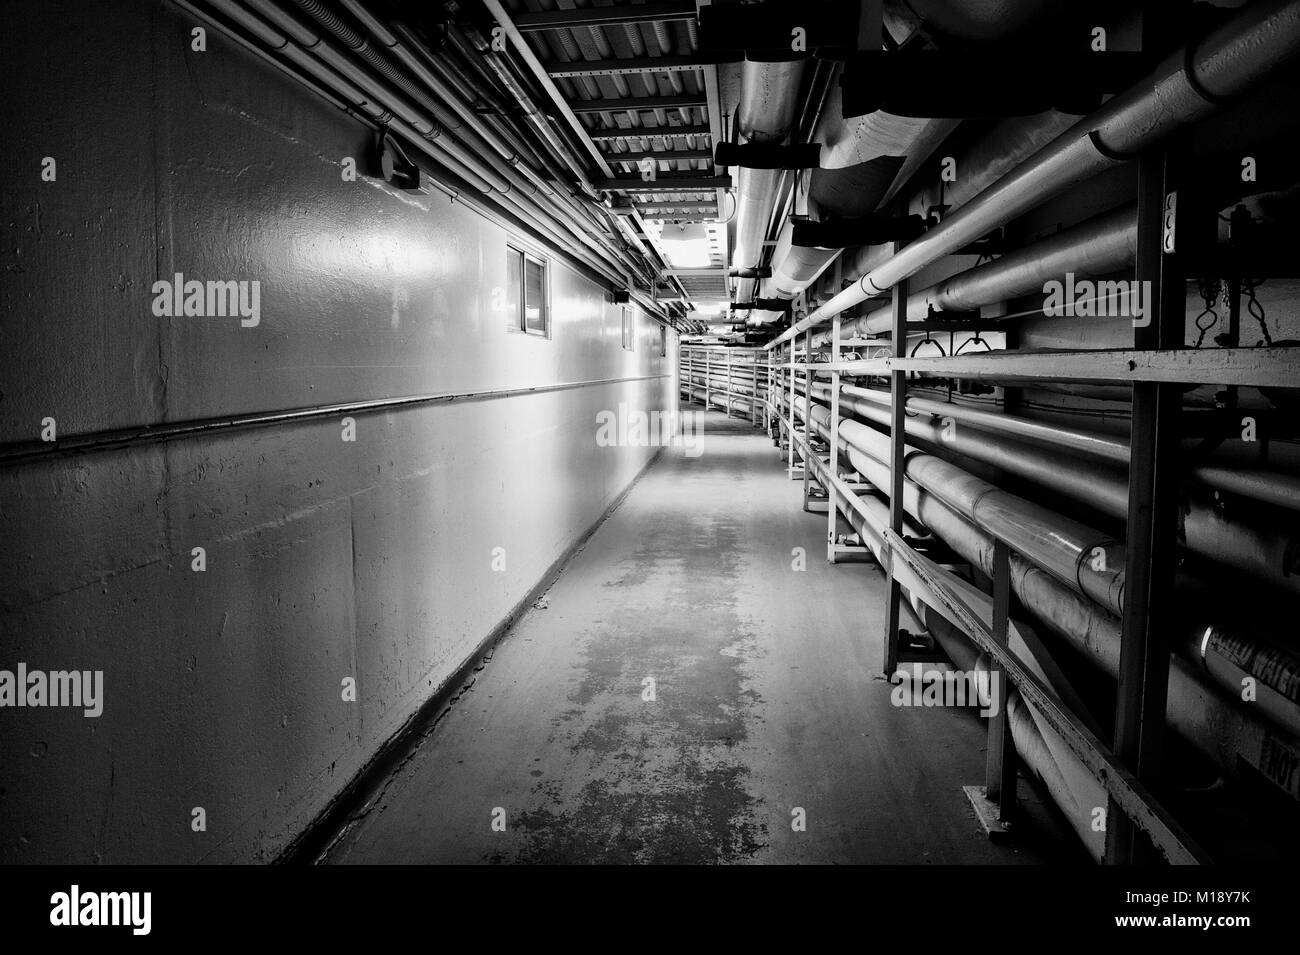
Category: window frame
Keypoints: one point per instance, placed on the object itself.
(519, 321)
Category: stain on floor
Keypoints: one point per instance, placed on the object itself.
(687, 696)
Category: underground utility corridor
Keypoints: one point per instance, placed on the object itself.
(649, 434)
(767, 699)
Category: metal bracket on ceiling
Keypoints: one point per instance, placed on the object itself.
(783, 305)
(856, 231)
(768, 155)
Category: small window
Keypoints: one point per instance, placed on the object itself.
(663, 341)
(526, 293)
(535, 318)
(514, 288)
(629, 330)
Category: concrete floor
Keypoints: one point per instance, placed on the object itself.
(767, 701)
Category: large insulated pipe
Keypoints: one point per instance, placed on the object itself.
(1265, 553)
(1105, 244)
(977, 19)
(1091, 443)
(1087, 560)
(865, 159)
(1209, 718)
(1225, 653)
(769, 103)
(720, 400)
(1188, 86)
(1071, 786)
(1274, 488)
(1007, 144)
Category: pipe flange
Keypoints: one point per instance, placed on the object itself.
(1195, 85)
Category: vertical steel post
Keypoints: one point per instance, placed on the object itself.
(727, 371)
(1151, 545)
(807, 416)
(833, 465)
(897, 446)
(1000, 772)
(790, 425)
(754, 393)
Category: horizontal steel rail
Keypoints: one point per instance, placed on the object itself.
(172, 431)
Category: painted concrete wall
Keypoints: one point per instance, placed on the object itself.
(325, 559)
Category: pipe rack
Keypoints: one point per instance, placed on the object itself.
(1187, 685)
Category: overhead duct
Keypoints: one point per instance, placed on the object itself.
(865, 159)
(769, 103)
(978, 19)
(1188, 86)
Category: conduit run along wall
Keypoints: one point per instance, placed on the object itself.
(325, 559)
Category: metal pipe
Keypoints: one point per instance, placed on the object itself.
(386, 105)
(445, 152)
(1091, 443)
(849, 184)
(1227, 653)
(479, 141)
(1105, 244)
(769, 102)
(1188, 86)
(1262, 552)
(1269, 487)
(484, 139)
(307, 43)
(470, 42)
(1209, 718)
(1087, 560)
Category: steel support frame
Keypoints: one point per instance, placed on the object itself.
(789, 432)
(1129, 794)
(605, 16)
(897, 453)
(995, 802)
(1151, 545)
(646, 132)
(619, 104)
(835, 551)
